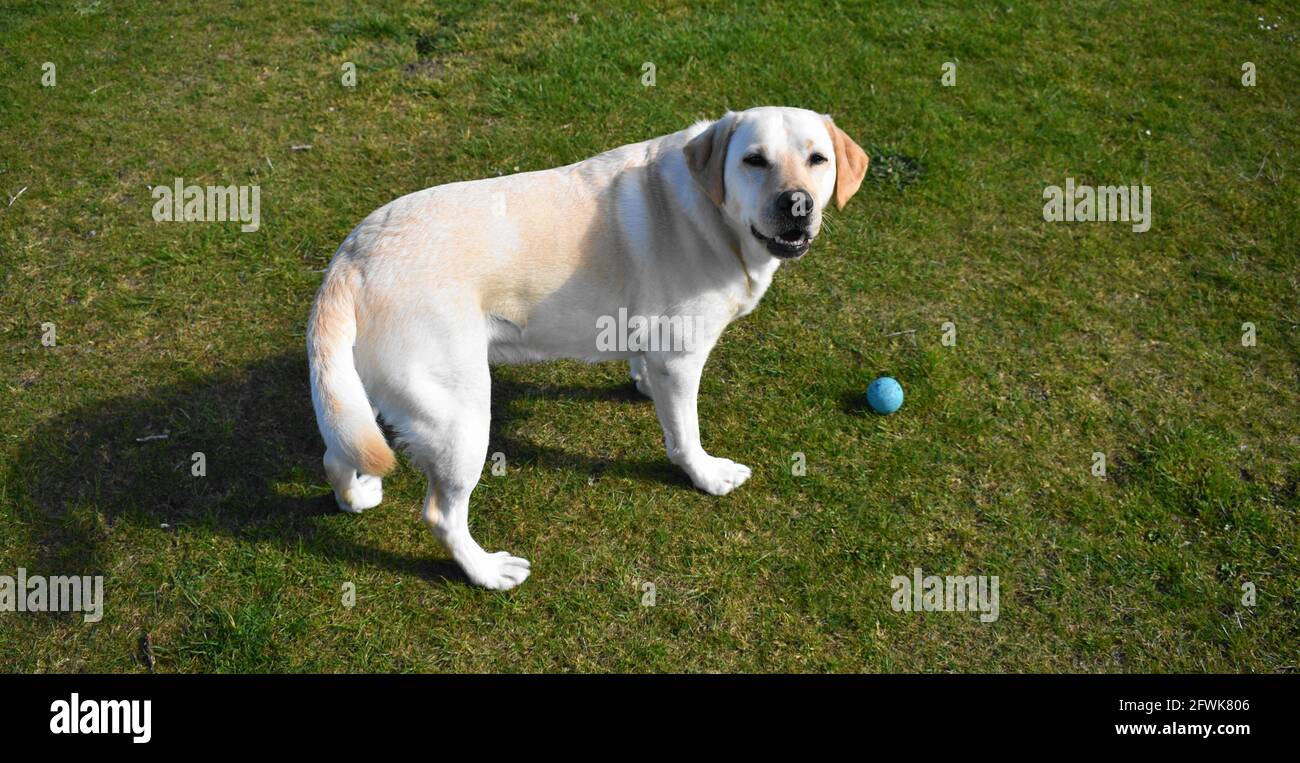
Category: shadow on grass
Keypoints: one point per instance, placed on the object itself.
(90, 468)
(854, 403)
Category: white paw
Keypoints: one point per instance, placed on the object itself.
(636, 369)
(365, 492)
(717, 476)
(498, 572)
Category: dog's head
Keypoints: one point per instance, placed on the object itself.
(772, 170)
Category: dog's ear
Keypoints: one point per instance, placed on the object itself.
(851, 164)
(706, 156)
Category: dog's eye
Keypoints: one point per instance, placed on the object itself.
(816, 159)
(755, 160)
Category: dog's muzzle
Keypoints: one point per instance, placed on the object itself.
(789, 244)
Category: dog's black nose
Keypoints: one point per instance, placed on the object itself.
(795, 204)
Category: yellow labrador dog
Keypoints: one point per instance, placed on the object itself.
(643, 253)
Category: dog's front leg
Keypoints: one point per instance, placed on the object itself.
(675, 379)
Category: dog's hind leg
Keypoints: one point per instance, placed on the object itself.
(452, 477)
(444, 423)
(354, 492)
(636, 370)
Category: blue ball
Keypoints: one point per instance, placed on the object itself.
(885, 395)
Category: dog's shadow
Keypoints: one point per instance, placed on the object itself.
(230, 453)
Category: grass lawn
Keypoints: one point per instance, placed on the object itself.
(1071, 339)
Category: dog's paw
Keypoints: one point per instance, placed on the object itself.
(643, 386)
(636, 370)
(717, 476)
(497, 572)
(365, 492)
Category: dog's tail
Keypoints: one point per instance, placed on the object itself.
(343, 410)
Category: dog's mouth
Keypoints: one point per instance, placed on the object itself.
(790, 244)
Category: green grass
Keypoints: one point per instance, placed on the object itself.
(1072, 338)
